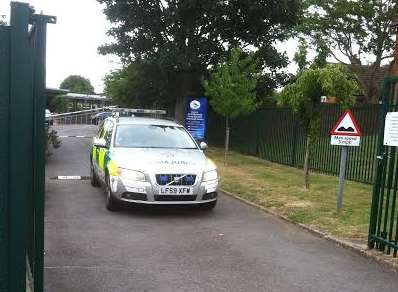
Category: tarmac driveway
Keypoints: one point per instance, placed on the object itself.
(233, 248)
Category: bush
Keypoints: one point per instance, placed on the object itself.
(52, 140)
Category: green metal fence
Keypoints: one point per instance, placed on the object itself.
(275, 134)
(383, 227)
(22, 104)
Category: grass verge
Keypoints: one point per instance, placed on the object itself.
(281, 189)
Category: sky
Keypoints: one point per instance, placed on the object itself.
(72, 43)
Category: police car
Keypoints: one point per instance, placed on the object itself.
(151, 161)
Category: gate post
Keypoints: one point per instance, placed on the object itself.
(380, 164)
(20, 143)
(39, 145)
(4, 116)
(22, 108)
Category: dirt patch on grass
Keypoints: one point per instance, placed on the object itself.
(299, 204)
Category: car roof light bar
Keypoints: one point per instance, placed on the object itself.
(140, 111)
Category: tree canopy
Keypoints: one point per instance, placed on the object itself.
(232, 88)
(130, 86)
(304, 95)
(355, 33)
(184, 38)
(77, 84)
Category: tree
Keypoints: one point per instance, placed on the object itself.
(130, 86)
(183, 38)
(355, 33)
(231, 89)
(304, 96)
(77, 84)
(301, 56)
(3, 20)
(57, 104)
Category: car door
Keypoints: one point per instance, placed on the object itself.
(103, 152)
(95, 150)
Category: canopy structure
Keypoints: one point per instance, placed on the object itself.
(76, 101)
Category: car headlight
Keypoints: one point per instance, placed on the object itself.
(131, 174)
(210, 175)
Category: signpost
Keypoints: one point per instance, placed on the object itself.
(196, 118)
(345, 133)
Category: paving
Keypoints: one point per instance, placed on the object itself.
(235, 247)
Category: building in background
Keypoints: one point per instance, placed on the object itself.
(61, 100)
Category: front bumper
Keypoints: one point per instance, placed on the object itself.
(148, 192)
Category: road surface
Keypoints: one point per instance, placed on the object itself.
(233, 248)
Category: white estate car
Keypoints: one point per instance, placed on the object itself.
(151, 161)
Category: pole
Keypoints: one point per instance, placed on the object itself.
(343, 167)
(20, 145)
(226, 140)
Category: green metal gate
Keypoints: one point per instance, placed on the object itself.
(383, 228)
(23, 138)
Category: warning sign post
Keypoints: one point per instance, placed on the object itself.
(345, 133)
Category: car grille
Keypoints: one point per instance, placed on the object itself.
(172, 179)
(175, 198)
(135, 196)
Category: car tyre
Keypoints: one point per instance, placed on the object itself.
(112, 204)
(209, 206)
(93, 177)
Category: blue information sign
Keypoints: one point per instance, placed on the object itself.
(196, 117)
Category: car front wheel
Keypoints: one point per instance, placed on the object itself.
(93, 177)
(112, 204)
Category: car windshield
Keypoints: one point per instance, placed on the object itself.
(153, 136)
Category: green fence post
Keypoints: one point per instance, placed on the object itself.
(4, 116)
(20, 144)
(39, 134)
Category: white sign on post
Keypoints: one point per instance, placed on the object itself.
(346, 132)
(391, 129)
(345, 140)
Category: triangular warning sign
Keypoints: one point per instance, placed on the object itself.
(346, 126)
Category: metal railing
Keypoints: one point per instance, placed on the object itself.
(84, 117)
(90, 117)
(275, 134)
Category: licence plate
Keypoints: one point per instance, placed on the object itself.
(175, 191)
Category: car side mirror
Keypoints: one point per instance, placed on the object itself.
(203, 145)
(99, 142)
